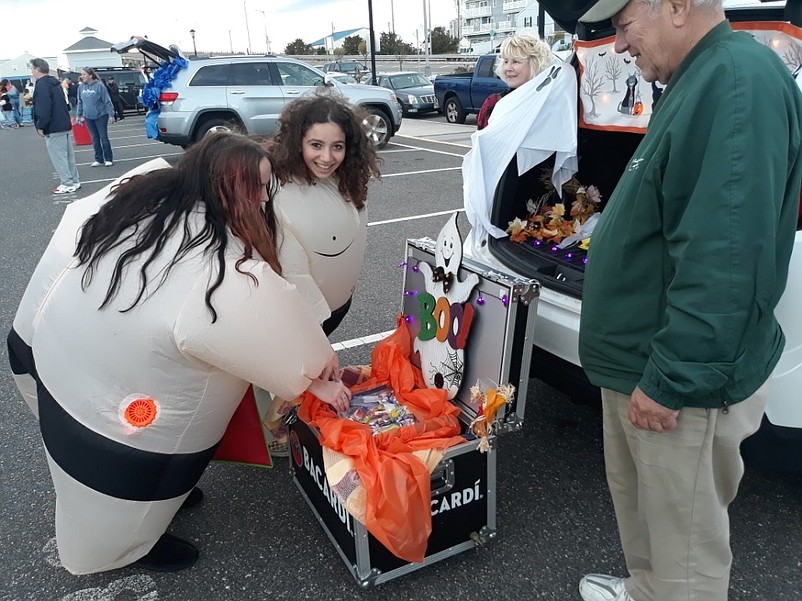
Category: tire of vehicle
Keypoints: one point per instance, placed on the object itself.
(453, 110)
(213, 125)
(379, 127)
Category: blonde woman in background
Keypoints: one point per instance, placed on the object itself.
(521, 58)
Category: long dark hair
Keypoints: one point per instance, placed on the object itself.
(360, 162)
(220, 173)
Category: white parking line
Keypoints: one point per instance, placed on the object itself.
(419, 172)
(451, 154)
(354, 342)
(414, 217)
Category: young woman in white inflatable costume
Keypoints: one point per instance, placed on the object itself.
(154, 306)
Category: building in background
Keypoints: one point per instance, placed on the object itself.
(18, 70)
(481, 25)
(91, 51)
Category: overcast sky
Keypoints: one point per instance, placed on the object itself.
(47, 27)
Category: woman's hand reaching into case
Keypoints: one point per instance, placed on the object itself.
(331, 371)
(332, 392)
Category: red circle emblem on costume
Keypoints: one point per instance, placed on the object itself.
(140, 412)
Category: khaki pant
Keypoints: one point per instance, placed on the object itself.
(671, 491)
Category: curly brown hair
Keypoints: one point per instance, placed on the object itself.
(361, 160)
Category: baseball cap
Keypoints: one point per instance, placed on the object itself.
(603, 10)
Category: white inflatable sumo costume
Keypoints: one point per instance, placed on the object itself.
(132, 404)
(331, 231)
(442, 359)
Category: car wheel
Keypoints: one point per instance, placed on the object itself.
(211, 126)
(454, 111)
(378, 128)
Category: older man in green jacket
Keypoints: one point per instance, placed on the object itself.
(685, 268)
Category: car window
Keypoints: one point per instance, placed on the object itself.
(486, 68)
(384, 82)
(211, 75)
(293, 74)
(409, 80)
(251, 74)
(127, 79)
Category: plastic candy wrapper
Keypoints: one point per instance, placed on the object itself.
(379, 409)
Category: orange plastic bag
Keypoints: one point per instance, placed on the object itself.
(398, 484)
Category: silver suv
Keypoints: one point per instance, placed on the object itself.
(248, 93)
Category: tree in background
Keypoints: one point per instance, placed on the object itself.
(443, 42)
(363, 49)
(390, 43)
(298, 47)
(351, 45)
(321, 51)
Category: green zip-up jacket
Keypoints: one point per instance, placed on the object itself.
(690, 256)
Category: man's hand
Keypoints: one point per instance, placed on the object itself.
(41, 133)
(647, 414)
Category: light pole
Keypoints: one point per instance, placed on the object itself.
(247, 27)
(194, 48)
(267, 40)
(427, 70)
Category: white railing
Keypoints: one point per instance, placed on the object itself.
(505, 25)
(482, 11)
(514, 5)
(481, 28)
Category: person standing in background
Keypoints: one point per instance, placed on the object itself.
(521, 58)
(116, 100)
(95, 107)
(51, 118)
(13, 95)
(5, 106)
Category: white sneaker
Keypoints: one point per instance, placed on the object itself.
(96, 164)
(601, 587)
(108, 163)
(62, 189)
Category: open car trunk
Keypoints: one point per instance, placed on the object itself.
(603, 155)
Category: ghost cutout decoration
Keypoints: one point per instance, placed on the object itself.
(445, 315)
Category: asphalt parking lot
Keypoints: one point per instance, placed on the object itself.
(257, 538)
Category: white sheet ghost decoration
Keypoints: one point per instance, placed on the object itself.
(445, 315)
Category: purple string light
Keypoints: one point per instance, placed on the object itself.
(409, 319)
(403, 264)
(415, 268)
(505, 300)
(481, 300)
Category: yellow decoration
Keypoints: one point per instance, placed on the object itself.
(489, 402)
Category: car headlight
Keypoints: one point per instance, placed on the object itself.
(412, 99)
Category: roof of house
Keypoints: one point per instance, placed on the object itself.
(89, 43)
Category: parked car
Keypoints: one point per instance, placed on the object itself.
(341, 77)
(355, 69)
(604, 153)
(414, 91)
(129, 81)
(248, 93)
(462, 94)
